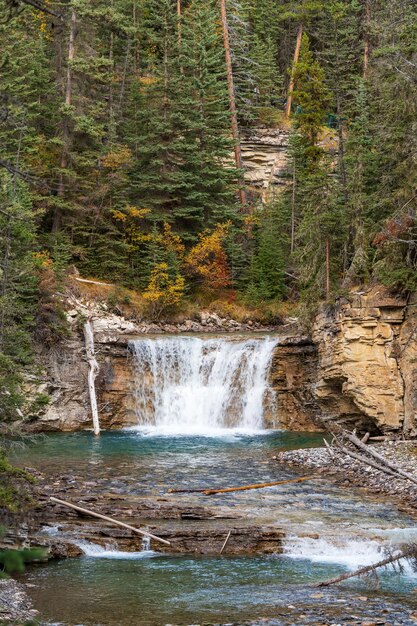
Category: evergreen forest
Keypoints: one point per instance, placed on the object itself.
(120, 160)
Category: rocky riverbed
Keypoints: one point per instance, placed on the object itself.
(15, 605)
(344, 470)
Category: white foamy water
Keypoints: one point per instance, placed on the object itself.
(189, 385)
(99, 552)
(351, 553)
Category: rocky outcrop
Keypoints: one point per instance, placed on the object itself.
(292, 378)
(366, 362)
(265, 158)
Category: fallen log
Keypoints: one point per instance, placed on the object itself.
(93, 282)
(80, 509)
(359, 444)
(211, 492)
(364, 570)
(362, 459)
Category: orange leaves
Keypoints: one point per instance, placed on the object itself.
(208, 261)
(117, 158)
(163, 291)
(393, 230)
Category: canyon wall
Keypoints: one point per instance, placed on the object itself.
(358, 367)
(367, 362)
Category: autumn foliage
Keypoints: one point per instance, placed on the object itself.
(207, 260)
(394, 229)
(164, 291)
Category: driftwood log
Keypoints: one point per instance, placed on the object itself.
(404, 554)
(362, 446)
(212, 492)
(366, 454)
(80, 509)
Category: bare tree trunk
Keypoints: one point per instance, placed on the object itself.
(365, 570)
(366, 52)
(92, 374)
(295, 61)
(294, 181)
(112, 129)
(179, 16)
(106, 518)
(392, 466)
(66, 132)
(136, 47)
(232, 102)
(327, 269)
(211, 492)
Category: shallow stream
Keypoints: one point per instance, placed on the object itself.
(328, 531)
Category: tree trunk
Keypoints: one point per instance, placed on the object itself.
(295, 61)
(232, 103)
(294, 182)
(366, 52)
(365, 570)
(327, 269)
(57, 222)
(92, 374)
(106, 518)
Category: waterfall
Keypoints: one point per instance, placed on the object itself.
(194, 385)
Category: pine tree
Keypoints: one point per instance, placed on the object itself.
(320, 225)
(267, 277)
(17, 290)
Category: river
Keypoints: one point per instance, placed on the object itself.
(328, 530)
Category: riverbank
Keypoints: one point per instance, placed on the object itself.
(16, 607)
(348, 472)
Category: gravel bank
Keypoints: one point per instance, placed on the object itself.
(15, 605)
(346, 471)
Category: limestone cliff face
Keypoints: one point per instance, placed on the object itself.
(359, 367)
(367, 369)
(265, 158)
(65, 377)
(292, 377)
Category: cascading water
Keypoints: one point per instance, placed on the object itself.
(194, 385)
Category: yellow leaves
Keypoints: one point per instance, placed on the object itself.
(117, 158)
(130, 212)
(172, 241)
(41, 21)
(131, 217)
(163, 291)
(119, 215)
(251, 220)
(208, 260)
(147, 80)
(42, 260)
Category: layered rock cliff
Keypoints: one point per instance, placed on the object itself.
(367, 362)
(265, 158)
(65, 374)
(359, 367)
